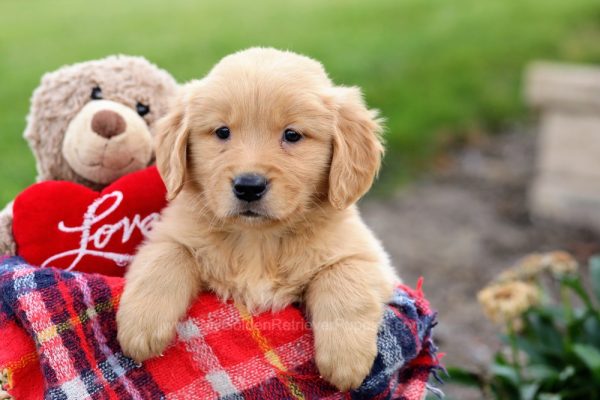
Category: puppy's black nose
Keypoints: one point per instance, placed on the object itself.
(249, 187)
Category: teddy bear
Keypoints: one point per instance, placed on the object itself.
(92, 123)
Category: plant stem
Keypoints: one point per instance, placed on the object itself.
(512, 335)
(566, 301)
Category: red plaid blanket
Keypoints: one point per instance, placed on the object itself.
(59, 342)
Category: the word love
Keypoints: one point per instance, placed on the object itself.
(95, 233)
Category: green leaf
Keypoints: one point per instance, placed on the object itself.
(557, 314)
(574, 283)
(566, 373)
(542, 372)
(549, 396)
(506, 372)
(576, 327)
(503, 389)
(538, 351)
(500, 359)
(590, 356)
(595, 275)
(580, 390)
(541, 329)
(463, 377)
(529, 391)
(590, 332)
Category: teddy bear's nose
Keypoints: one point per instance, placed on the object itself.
(107, 123)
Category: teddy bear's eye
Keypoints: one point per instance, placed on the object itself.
(142, 109)
(96, 93)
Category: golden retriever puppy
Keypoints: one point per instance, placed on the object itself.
(263, 160)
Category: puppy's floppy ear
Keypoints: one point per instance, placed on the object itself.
(357, 147)
(171, 147)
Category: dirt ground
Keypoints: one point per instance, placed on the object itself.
(459, 228)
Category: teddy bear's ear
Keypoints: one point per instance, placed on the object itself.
(171, 147)
(53, 103)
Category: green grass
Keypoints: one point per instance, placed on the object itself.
(436, 68)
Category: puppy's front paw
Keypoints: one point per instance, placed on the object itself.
(345, 359)
(143, 332)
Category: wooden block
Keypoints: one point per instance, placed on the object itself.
(567, 183)
(569, 143)
(573, 200)
(551, 86)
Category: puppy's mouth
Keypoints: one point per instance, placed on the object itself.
(251, 214)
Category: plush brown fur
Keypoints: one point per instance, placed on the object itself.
(62, 95)
(7, 242)
(59, 129)
(308, 244)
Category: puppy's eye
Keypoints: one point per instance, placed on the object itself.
(142, 109)
(223, 133)
(291, 136)
(96, 93)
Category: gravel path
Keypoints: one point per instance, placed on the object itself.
(462, 226)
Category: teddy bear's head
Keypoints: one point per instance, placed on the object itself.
(92, 122)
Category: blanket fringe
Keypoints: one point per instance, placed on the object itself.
(5, 385)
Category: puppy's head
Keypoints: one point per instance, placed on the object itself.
(266, 137)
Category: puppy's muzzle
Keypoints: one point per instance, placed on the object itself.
(249, 187)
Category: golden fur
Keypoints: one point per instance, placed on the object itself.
(309, 244)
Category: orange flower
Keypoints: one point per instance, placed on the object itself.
(557, 262)
(506, 302)
(561, 263)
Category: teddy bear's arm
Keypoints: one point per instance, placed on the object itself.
(7, 241)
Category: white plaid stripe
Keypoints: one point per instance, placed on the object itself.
(23, 280)
(75, 389)
(192, 390)
(247, 374)
(191, 334)
(251, 372)
(116, 369)
(225, 317)
(221, 383)
(297, 352)
(56, 353)
(257, 370)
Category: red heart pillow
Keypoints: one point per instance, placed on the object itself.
(65, 225)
